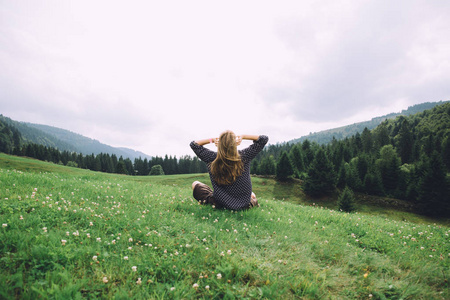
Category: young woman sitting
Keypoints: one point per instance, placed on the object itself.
(229, 171)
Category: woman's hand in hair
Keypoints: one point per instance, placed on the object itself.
(250, 137)
(216, 141)
(238, 140)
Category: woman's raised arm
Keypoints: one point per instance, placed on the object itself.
(207, 141)
(251, 137)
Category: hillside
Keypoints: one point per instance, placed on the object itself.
(65, 140)
(87, 145)
(34, 135)
(71, 233)
(326, 136)
(406, 158)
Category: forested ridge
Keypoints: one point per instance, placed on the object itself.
(326, 136)
(65, 140)
(405, 158)
(13, 142)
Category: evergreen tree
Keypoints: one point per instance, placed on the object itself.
(404, 175)
(347, 152)
(129, 166)
(388, 165)
(428, 145)
(284, 167)
(373, 184)
(337, 154)
(405, 142)
(434, 189)
(121, 168)
(296, 157)
(357, 143)
(308, 153)
(381, 136)
(97, 166)
(362, 166)
(366, 140)
(446, 152)
(267, 166)
(114, 163)
(341, 177)
(346, 200)
(145, 170)
(321, 177)
(254, 167)
(351, 175)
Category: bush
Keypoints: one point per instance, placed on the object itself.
(157, 170)
(72, 164)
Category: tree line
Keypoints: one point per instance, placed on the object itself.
(11, 143)
(405, 158)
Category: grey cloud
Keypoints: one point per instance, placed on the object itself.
(368, 62)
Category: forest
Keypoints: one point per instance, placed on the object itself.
(406, 158)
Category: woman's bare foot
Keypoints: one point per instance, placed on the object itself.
(254, 201)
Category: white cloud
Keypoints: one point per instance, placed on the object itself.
(154, 76)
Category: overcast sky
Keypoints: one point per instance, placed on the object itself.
(154, 75)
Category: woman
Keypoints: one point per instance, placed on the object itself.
(229, 170)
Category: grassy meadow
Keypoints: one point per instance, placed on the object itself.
(69, 233)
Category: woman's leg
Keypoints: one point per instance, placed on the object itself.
(194, 184)
(202, 193)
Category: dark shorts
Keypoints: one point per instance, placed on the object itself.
(204, 194)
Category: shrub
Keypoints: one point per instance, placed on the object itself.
(157, 170)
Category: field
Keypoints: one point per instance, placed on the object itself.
(69, 233)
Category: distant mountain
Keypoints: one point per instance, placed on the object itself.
(326, 136)
(66, 140)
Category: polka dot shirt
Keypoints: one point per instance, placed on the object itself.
(237, 195)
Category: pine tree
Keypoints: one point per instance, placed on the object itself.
(297, 159)
(284, 167)
(381, 136)
(357, 142)
(346, 200)
(267, 166)
(362, 165)
(351, 175)
(254, 167)
(321, 177)
(308, 153)
(434, 188)
(367, 141)
(373, 184)
(389, 167)
(120, 168)
(405, 142)
(446, 152)
(341, 178)
(129, 166)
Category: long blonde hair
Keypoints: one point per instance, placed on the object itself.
(227, 166)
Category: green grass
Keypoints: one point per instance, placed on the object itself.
(284, 249)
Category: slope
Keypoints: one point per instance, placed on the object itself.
(326, 136)
(67, 236)
(65, 140)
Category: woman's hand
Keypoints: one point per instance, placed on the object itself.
(216, 141)
(238, 140)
